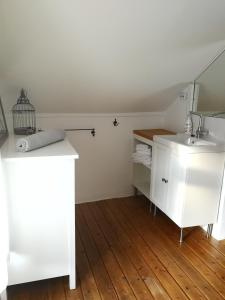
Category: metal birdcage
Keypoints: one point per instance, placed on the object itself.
(24, 120)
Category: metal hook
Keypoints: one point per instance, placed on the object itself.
(93, 132)
(115, 122)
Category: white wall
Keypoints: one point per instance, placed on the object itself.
(104, 169)
(98, 56)
(176, 113)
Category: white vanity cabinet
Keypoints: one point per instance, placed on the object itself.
(186, 186)
(41, 206)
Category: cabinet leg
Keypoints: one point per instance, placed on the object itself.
(135, 191)
(150, 207)
(181, 235)
(207, 233)
(209, 230)
(155, 210)
(72, 281)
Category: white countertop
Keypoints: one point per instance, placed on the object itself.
(178, 143)
(62, 149)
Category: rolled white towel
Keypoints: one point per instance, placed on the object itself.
(39, 140)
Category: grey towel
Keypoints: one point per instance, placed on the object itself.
(39, 140)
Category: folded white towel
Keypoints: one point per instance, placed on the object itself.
(141, 147)
(145, 152)
(142, 159)
(148, 165)
(39, 140)
(141, 155)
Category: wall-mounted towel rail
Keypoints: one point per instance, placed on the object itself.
(92, 130)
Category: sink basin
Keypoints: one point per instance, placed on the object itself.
(192, 141)
(181, 142)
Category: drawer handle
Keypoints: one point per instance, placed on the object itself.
(164, 180)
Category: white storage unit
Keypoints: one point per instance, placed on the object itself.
(141, 173)
(41, 197)
(187, 186)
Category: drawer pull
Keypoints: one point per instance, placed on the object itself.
(164, 180)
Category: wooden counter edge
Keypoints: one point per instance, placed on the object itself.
(149, 133)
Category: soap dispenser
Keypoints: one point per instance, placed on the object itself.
(188, 124)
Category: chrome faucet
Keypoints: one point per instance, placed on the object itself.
(201, 131)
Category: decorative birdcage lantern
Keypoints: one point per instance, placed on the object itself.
(24, 120)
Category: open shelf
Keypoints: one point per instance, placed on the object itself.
(141, 178)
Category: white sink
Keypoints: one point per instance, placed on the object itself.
(182, 142)
(193, 141)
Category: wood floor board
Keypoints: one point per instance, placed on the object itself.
(219, 245)
(209, 246)
(21, 292)
(207, 258)
(123, 252)
(88, 284)
(72, 294)
(203, 285)
(158, 268)
(101, 275)
(206, 244)
(135, 256)
(166, 256)
(118, 278)
(120, 251)
(56, 290)
(190, 254)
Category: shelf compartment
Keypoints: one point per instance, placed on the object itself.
(141, 178)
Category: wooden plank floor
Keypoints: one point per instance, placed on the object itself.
(123, 252)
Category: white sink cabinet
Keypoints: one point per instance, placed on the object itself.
(186, 185)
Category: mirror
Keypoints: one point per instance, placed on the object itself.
(3, 126)
(209, 92)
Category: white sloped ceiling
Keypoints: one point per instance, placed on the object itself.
(106, 55)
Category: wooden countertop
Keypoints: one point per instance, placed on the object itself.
(149, 133)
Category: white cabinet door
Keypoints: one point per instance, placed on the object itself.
(41, 218)
(203, 189)
(168, 181)
(176, 187)
(161, 156)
